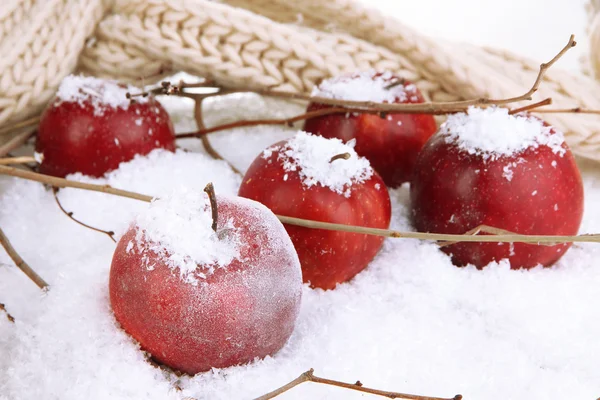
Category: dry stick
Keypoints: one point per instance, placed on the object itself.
(308, 376)
(506, 238)
(532, 106)
(345, 106)
(10, 317)
(21, 264)
(16, 142)
(17, 160)
(205, 142)
(69, 214)
(282, 121)
(427, 108)
(28, 122)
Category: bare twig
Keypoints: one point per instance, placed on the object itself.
(20, 263)
(205, 142)
(282, 121)
(17, 160)
(10, 317)
(505, 238)
(532, 106)
(309, 376)
(491, 231)
(69, 214)
(33, 121)
(16, 142)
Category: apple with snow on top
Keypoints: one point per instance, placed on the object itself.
(321, 179)
(390, 142)
(513, 172)
(91, 127)
(197, 299)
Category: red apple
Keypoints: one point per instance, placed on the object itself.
(197, 300)
(392, 142)
(509, 172)
(297, 179)
(91, 127)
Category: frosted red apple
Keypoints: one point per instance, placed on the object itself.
(91, 127)
(297, 179)
(391, 143)
(197, 300)
(510, 172)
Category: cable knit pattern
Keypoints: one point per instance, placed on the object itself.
(276, 44)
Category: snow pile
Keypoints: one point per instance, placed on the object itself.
(310, 156)
(411, 322)
(101, 93)
(177, 227)
(366, 86)
(492, 132)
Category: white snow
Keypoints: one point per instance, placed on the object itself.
(492, 132)
(365, 86)
(411, 322)
(177, 227)
(310, 156)
(101, 93)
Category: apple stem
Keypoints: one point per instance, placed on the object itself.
(395, 83)
(342, 156)
(309, 376)
(10, 317)
(210, 191)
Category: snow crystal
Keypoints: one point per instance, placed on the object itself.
(309, 155)
(364, 86)
(101, 93)
(177, 227)
(492, 132)
(39, 157)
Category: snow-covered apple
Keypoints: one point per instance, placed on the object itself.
(91, 127)
(197, 299)
(321, 179)
(390, 142)
(513, 172)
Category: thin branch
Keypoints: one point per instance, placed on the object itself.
(309, 376)
(283, 121)
(532, 106)
(204, 139)
(17, 160)
(506, 238)
(16, 142)
(33, 121)
(20, 263)
(69, 214)
(10, 317)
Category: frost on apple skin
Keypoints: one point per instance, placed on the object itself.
(309, 156)
(244, 305)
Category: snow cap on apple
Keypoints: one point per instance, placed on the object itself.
(321, 179)
(197, 299)
(92, 126)
(390, 142)
(310, 157)
(379, 87)
(512, 172)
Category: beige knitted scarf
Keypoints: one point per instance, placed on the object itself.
(278, 44)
